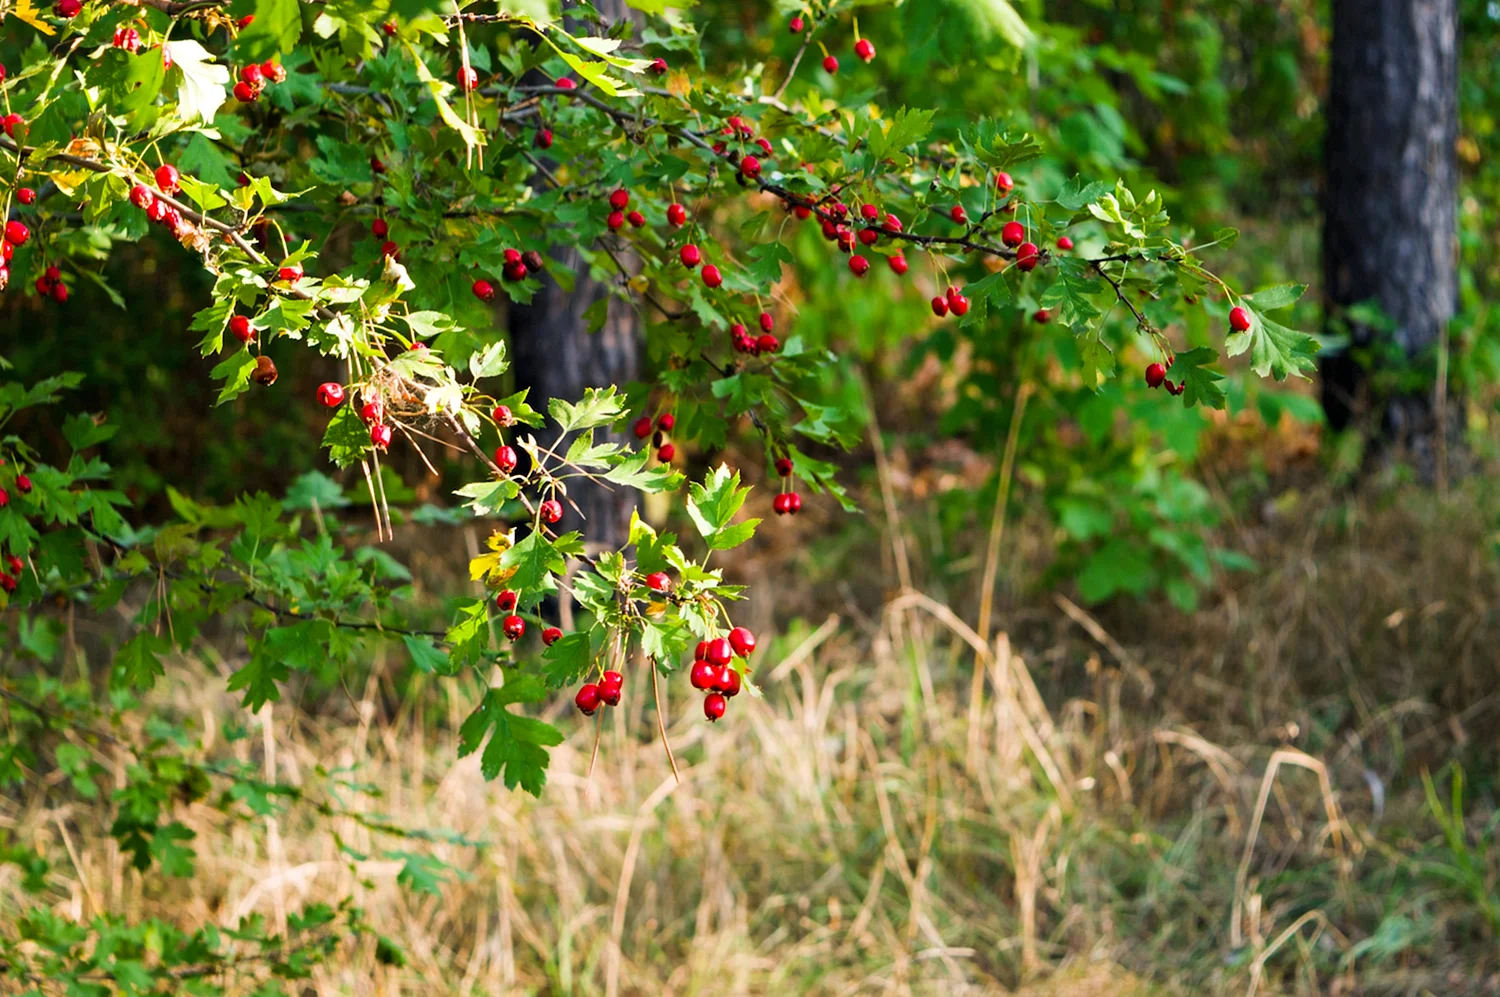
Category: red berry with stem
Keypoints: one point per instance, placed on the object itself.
(505, 601)
(750, 167)
(503, 416)
(615, 221)
(642, 427)
(23, 485)
(676, 215)
(796, 24)
(551, 635)
(484, 290)
(658, 581)
(611, 680)
(714, 704)
(252, 75)
(389, 248)
(141, 196)
(26, 195)
(551, 511)
(245, 22)
(330, 395)
(636, 218)
(380, 228)
(690, 256)
(514, 627)
(898, 265)
(767, 343)
(11, 122)
(793, 503)
(730, 682)
(274, 72)
(940, 306)
(1013, 233)
(67, 8)
(1239, 319)
(784, 466)
(542, 139)
(767, 322)
(711, 276)
(702, 675)
(291, 274)
(168, 180)
(1028, 256)
(869, 212)
(1042, 316)
(505, 458)
(15, 564)
(4, 498)
(239, 327)
(666, 453)
(864, 49)
(666, 422)
(765, 146)
(609, 695)
(565, 83)
(619, 199)
(372, 412)
(59, 292)
(859, 266)
(1155, 375)
(389, 27)
(1004, 183)
(718, 652)
(830, 65)
(958, 214)
(380, 436)
(1064, 243)
(587, 699)
(468, 80)
(742, 640)
(16, 233)
(658, 66)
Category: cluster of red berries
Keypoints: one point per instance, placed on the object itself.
(1156, 377)
(67, 9)
(332, 395)
(516, 266)
(691, 256)
(255, 78)
(863, 47)
(50, 285)
(127, 38)
(712, 672)
(168, 181)
(16, 236)
(658, 431)
(744, 342)
(605, 692)
(11, 577)
(619, 200)
(787, 502)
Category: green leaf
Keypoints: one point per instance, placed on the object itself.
(487, 498)
(1098, 361)
(138, 663)
(1071, 293)
(1275, 350)
(1077, 192)
(517, 744)
(1191, 369)
(569, 657)
(907, 127)
(347, 437)
(234, 370)
(166, 847)
(276, 29)
(712, 507)
(1122, 565)
(1271, 298)
(598, 407)
(632, 472)
(469, 637)
(535, 561)
(427, 656)
(490, 362)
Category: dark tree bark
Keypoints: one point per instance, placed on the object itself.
(1389, 201)
(556, 356)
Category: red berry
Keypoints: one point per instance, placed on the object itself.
(15, 563)
(958, 214)
(795, 25)
(1239, 319)
(611, 680)
(245, 93)
(167, 178)
(959, 305)
(4, 498)
(1064, 243)
(377, 164)
(719, 652)
(245, 22)
(845, 236)
(389, 27)
(389, 248)
(1155, 375)
(274, 72)
(543, 138)
(1042, 316)
(609, 695)
(690, 256)
(642, 427)
(484, 290)
(59, 292)
(551, 635)
(864, 49)
(16, 233)
(1003, 183)
(416, 346)
(8, 583)
(587, 699)
(380, 228)
(1028, 256)
(564, 83)
(793, 503)
(666, 453)
(26, 195)
(505, 601)
(658, 581)
(128, 39)
(765, 146)
(467, 78)
(380, 436)
(513, 627)
(868, 236)
(714, 704)
(141, 196)
(676, 215)
(331, 395)
(1013, 233)
(10, 122)
(898, 264)
(939, 306)
(372, 412)
(505, 458)
(23, 485)
(239, 326)
(711, 276)
(750, 166)
(551, 511)
(767, 322)
(291, 274)
(784, 466)
(658, 66)
(702, 676)
(636, 218)
(615, 221)
(67, 8)
(619, 199)
(252, 75)
(666, 422)
(767, 343)
(830, 64)
(729, 681)
(859, 266)
(503, 416)
(1171, 388)
(742, 640)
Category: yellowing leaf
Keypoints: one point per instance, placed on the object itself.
(27, 11)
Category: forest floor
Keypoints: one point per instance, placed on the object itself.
(1255, 798)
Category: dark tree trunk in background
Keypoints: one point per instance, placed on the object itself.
(556, 356)
(1389, 232)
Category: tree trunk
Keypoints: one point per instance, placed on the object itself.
(1389, 235)
(556, 356)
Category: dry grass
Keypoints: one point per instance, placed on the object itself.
(1145, 804)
